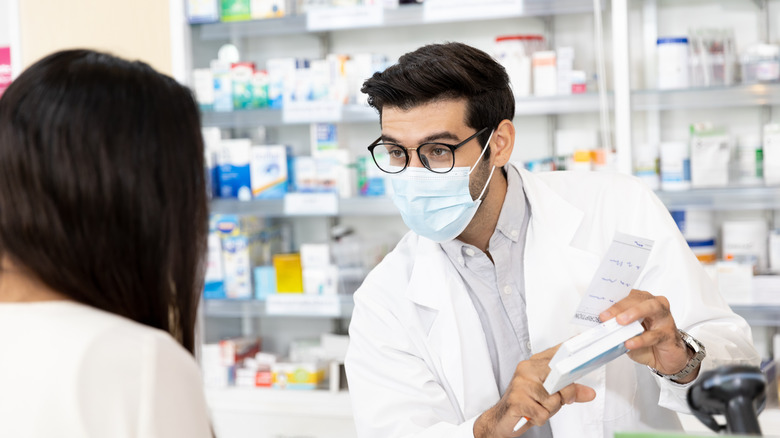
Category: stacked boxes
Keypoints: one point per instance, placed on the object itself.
(241, 240)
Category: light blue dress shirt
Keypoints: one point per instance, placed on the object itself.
(497, 288)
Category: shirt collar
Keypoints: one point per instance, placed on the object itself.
(513, 211)
(510, 219)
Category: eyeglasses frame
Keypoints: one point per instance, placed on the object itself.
(452, 148)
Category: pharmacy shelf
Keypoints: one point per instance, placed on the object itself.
(275, 413)
(755, 315)
(259, 308)
(566, 104)
(768, 419)
(315, 403)
(358, 206)
(706, 98)
(406, 15)
(759, 314)
(249, 118)
(726, 198)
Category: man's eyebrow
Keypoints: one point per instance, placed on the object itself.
(444, 135)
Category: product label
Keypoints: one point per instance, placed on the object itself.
(344, 17)
(453, 10)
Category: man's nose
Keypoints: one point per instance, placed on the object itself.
(415, 160)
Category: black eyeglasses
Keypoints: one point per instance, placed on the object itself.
(436, 157)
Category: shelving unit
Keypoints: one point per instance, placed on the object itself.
(553, 105)
(757, 314)
(339, 306)
(711, 97)
(358, 206)
(406, 15)
(260, 409)
(260, 412)
(726, 198)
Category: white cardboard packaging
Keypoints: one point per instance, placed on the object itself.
(772, 154)
(675, 166)
(710, 155)
(545, 73)
(745, 239)
(268, 171)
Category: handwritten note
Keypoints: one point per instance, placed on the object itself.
(614, 278)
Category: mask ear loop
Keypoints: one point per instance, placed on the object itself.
(487, 145)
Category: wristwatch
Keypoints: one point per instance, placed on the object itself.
(699, 352)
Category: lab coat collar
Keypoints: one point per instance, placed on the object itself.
(455, 335)
(550, 212)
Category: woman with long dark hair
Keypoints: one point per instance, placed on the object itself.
(103, 220)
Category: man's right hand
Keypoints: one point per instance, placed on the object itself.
(526, 397)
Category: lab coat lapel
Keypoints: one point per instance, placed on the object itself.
(556, 275)
(455, 338)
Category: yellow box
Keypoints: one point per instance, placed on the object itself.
(289, 275)
(299, 375)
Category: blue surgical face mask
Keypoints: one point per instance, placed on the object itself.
(437, 205)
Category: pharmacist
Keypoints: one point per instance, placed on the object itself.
(452, 332)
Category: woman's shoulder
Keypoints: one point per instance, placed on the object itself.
(117, 339)
(158, 381)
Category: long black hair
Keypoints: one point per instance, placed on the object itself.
(446, 71)
(102, 191)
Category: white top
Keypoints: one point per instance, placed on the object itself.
(70, 370)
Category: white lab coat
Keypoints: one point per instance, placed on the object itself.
(418, 364)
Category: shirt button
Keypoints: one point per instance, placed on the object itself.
(470, 252)
(507, 289)
(515, 233)
(528, 345)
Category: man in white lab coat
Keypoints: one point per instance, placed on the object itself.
(452, 332)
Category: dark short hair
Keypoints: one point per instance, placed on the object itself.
(446, 71)
(102, 187)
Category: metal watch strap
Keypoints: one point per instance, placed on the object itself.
(699, 352)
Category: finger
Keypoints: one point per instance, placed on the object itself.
(531, 371)
(651, 338)
(576, 393)
(537, 414)
(546, 354)
(584, 394)
(634, 297)
(653, 311)
(552, 403)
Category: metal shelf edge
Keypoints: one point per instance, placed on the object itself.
(407, 15)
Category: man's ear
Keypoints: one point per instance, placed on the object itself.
(502, 143)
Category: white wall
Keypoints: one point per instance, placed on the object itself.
(136, 30)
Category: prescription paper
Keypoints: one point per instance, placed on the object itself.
(615, 277)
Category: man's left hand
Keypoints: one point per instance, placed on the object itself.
(660, 346)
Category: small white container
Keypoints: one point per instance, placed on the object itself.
(746, 239)
(761, 63)
(748, 162)
(512, 52)
(646, 165)
(672, 62)
(675, 166)
(771, 154)
(578, 82)
(774, 252)
(545, 73)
